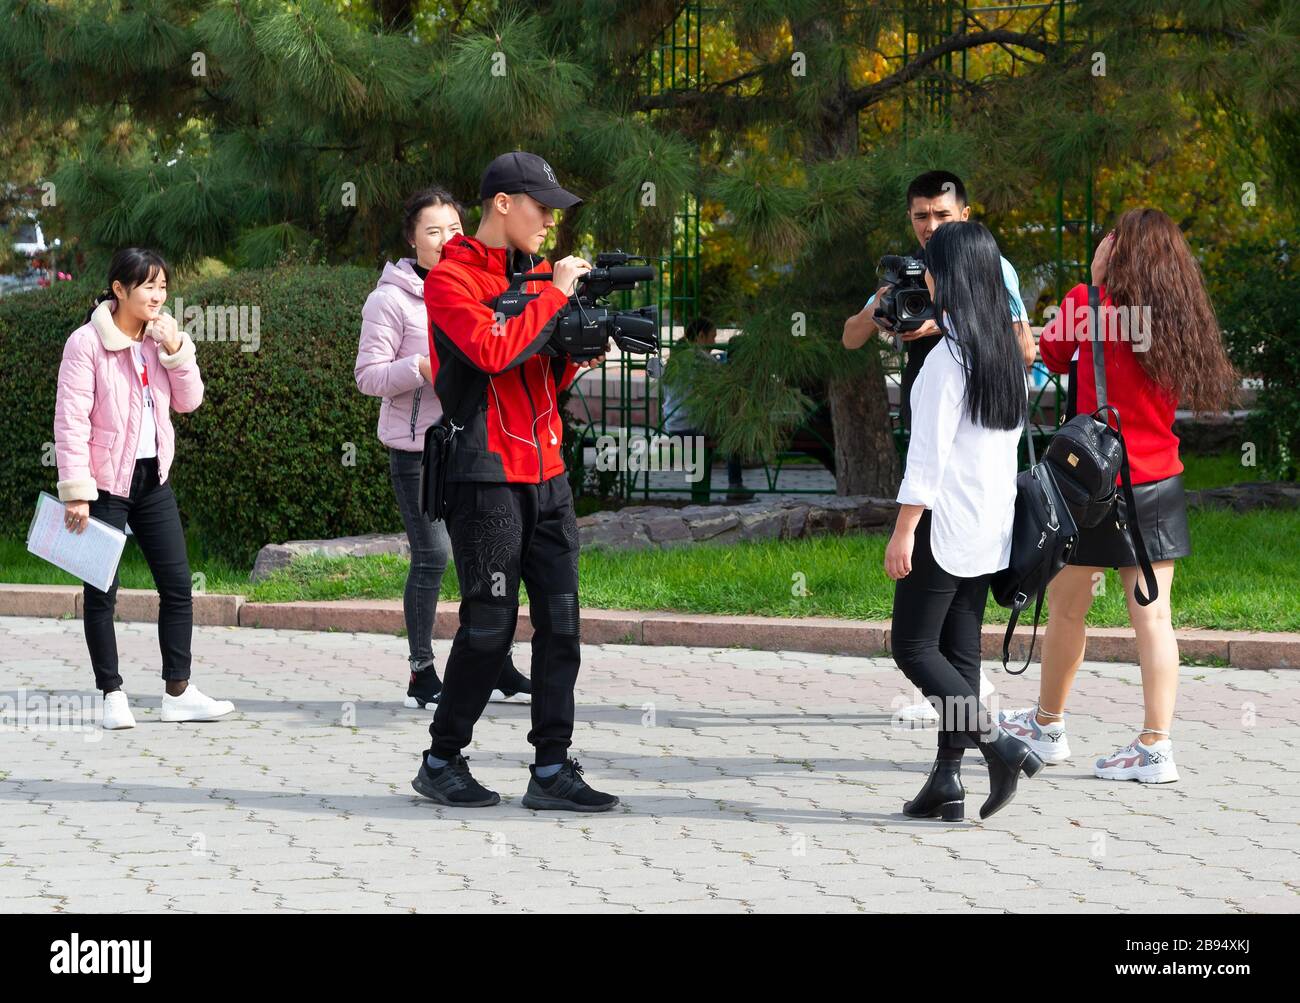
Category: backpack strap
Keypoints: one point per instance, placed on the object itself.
(1152, 592)
(1018, 606)
(1098, 338)
(1135, 531)
(460, 412)
(1029, 425)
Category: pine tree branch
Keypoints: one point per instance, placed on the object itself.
(870, 94)
(862, 97)
(758, 71)
(973, 18)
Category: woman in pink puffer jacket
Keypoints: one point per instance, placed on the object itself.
(123, 370)
(393, 364)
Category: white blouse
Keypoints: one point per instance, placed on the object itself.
(963, 472)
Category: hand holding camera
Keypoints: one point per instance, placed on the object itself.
(584, 328)
(903, 304)
(567, 271)
(926, 330)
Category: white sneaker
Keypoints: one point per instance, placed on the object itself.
(1048, 741)
(918, 715)
(1147, 764)
(501, 696)
(193, 706)
(117, 712)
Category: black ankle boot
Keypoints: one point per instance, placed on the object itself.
(1008, 757)
(942, 795)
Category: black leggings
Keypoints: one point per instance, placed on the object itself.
(430, 550)
(935, 639)
(150, 508)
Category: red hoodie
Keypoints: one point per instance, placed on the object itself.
(1146, 412)
(515, 435)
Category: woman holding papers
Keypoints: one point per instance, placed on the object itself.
(122, 370)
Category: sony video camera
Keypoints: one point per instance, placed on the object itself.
(906, 305)
(584, 327)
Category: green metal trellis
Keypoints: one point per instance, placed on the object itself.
(628, 399)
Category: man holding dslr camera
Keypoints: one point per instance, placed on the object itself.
(933, 198)
(509, 508)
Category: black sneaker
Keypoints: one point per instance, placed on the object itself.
(424, 689)
(453, 786)
(566, 791)
(512, 686)
(739, 493)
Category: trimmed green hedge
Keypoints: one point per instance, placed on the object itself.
(266, 458)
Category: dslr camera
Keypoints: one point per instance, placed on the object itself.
(585, 326)
(906, 305)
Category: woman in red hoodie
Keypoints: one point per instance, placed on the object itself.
(1162, 347)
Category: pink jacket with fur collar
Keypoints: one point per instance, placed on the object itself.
(99, 406)
(394, 334)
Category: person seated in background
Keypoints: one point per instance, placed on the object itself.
(701, 335)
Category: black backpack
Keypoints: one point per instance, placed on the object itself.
(1042, 537)
(1072, 488)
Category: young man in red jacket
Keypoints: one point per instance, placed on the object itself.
(509, 507)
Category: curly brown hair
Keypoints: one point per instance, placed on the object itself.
(1151, 265)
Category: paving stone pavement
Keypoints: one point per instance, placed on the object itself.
(751, 782)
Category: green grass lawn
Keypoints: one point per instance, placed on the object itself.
(20, 567)
(1218, 471)
(1244, 575)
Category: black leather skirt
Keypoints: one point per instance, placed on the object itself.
(1162, 517)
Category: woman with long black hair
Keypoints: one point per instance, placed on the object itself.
(956, 508)
(123, 371)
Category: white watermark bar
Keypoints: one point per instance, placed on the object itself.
(221, 323)
(40, 711)
(638, 453)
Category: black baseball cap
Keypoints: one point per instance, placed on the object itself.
(525, 173)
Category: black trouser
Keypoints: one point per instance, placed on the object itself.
(430, 549)
(155, 522)
(502, 534)
(935, 639)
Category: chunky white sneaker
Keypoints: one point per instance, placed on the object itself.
(193, 706)
(1048, 741)
(117, 712)
(1147, 764)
